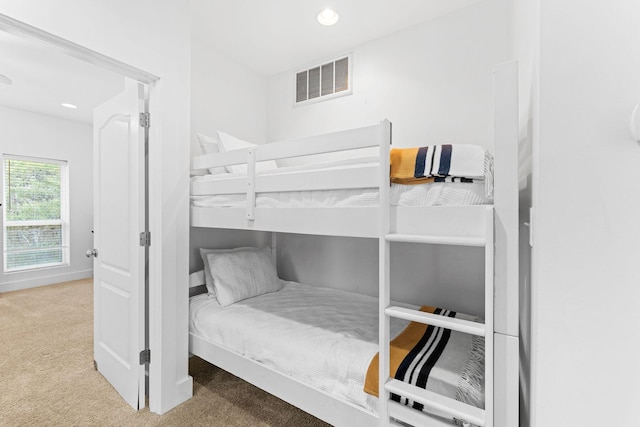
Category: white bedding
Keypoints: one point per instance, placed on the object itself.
(433, 194)
(309, 333)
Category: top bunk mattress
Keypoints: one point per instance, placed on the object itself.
(431, 194)
(325, 338)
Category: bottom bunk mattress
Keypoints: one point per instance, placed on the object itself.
(327, 338)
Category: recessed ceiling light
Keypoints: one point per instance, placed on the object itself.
(328, 17)
(67, 105)
(4, 79)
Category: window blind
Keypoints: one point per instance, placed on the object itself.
(34, 222)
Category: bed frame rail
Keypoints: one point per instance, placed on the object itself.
(362, 177)
(346, 140)
(314, 401)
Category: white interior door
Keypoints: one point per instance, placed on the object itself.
(119, 218)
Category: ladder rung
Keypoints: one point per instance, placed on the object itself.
(460, 325)
(408, 415)
(435, 401)
(436, 240)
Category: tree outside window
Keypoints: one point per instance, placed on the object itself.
(35, 213)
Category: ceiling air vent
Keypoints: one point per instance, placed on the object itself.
(324, 81)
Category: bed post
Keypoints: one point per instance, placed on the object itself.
(251, 184)
(506, 311)
(384, 261)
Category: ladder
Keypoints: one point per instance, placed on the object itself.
(388, 410)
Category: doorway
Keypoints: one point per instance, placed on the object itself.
(119, 134)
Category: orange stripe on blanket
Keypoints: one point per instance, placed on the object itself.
(400, 347)
(403, 166)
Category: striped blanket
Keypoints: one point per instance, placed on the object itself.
(440, 163)
(437, 359)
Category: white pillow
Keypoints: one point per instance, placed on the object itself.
(242, 274)
(210, 145)
(207, 272)
(230, 143)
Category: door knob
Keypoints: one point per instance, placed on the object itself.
(91, 253)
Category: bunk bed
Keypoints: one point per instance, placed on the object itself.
(488, 224)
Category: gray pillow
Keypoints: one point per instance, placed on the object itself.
(242, 274)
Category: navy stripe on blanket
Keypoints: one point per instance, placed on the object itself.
(423, 375)
(445, 159)
(421, 158)
(435, 339)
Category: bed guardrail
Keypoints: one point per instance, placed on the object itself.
(352, 139)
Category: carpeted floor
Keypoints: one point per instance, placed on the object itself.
(47, 376)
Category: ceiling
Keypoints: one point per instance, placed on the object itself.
(42, 79)
(276, 36)
(266, 36)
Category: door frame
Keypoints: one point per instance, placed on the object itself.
(51, 41)
(60, 45)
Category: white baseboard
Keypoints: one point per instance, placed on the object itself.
(50, 279)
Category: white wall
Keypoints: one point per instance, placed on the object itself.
(230, 97)
(153, 35)
(36, 135)
(586, 298)
(226, 96)
(435, 83)
(417, 272)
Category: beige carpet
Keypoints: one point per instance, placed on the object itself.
(47, 376)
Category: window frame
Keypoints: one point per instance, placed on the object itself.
(63, 222)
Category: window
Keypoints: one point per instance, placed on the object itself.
(36, 221)
(323, 81)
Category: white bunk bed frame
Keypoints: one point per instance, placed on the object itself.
(493, 227)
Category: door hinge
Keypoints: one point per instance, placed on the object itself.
(145, 356)
(145, 238)
(145, 120)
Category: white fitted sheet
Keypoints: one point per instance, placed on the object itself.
(323, 337)
(434, 194)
